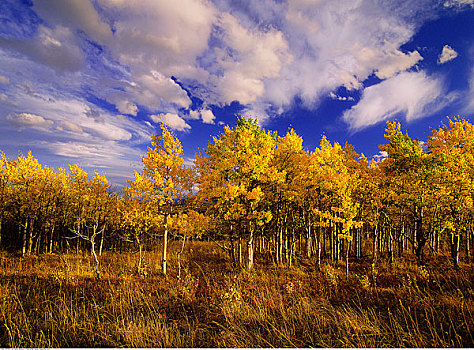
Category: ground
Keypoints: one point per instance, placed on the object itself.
(54, 300)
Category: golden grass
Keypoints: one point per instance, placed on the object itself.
(55, 301)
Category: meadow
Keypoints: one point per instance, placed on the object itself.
(55, 300)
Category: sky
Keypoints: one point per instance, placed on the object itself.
(88, 82)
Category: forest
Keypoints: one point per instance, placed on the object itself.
(260, 243)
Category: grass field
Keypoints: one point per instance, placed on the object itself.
(55, 301)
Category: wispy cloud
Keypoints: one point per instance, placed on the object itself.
(414, 95)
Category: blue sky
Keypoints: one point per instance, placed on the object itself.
(88, 81)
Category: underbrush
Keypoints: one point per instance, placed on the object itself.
(56, 301)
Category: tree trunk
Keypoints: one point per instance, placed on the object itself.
(390, 246)
(347, 258)
(165, 247)
(468, 245)
(280, 245)
(375, 244)
(30, 238)
(51, 239)
(240, 252)
(419, 237)
(25, 237)
(95, 257)
(101, 243)
(309, 242)
(250, 250)
(140, 255)
(455, 243)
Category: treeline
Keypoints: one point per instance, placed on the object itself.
(257, 195)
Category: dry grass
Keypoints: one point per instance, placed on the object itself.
(55, 301)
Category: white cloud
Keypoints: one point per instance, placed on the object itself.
(459, 3)
(28, 120)
(127, 107)
(414, 95)
(332, 44)
(447, 54)
(117, 161)
(207, 116)
(397, 61)
(67, 125)
(174, 121)
(261, 53)
(340, 98)
(194, 114)
(56, 48)
(76, 14)
(381, 155)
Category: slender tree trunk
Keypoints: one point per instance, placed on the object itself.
(309, 242)
(240, 252)
(95, 258)
(419, 237)
(468, 244)
(375, 244)
(331, 242)
(347, 258)
(101, 243)
(280, 245)
(455, 243)
(232, 252)
(30, 237)
(51, 239)
(140, 255)
(390, 246)
(25, 237)
(165, 247)
(250, 250)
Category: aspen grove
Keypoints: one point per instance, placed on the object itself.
(260, 197)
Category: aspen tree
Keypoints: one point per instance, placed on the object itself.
(233, 174)
(165, 178)
(452, 147)
(89, 204)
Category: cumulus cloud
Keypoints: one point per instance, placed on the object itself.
(340, 98)
(193, 114)
(412, 94)
(28, 120)
(397, 61)
(260, 54)
(207, 116)
(174, 121)
(381, 155)
(330, 45)
(447, 54)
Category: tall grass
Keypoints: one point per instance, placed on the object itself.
(56, 301)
